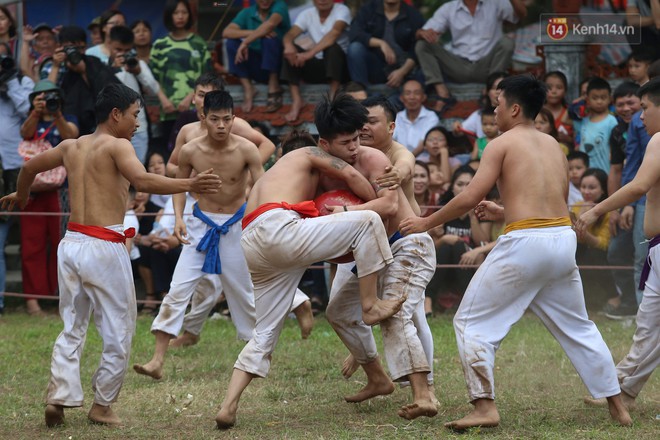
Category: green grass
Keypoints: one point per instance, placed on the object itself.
(539, 392)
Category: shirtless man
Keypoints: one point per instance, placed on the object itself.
(644, 356)
(533, 264)
(280, 242)
(94, 268)
(412, 269)
(215, 228)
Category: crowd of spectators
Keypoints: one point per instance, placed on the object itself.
(386, 42)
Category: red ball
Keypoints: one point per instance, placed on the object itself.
(337, 197)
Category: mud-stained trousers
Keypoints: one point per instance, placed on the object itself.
(95, 276)
(279, 246)
(409, 273)
(530, 268)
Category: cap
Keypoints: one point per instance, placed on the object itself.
(94, 23)
(41, 27)
(44, 86)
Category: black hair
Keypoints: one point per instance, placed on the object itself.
(601, 176)
(381, 101)
(12, 21)
(487, 111)
(218, 100)
(72, 34)
(547, 114)
(136, 23)
(168, 11)
(652, 90)
(260, 126)
(105, 18)
(441, 129)
(598, 83)
(643, 54)
(490, 83)
(584, 81)
(352, 87)
(562, 78)
(152, 154)
(424, 165)
(654, 69)
(626, 88)
(296, 139)
(574, 155)
(122, 34)
(526, 91)
(341, 115)
(114, 96)
(463, 169)
(210, 79)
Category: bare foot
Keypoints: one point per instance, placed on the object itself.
(294, 112)
(618, 410)
(382, 309)
(185, 340)
(305, 318)
(151, 369)
(248, 97)
(349, 366)
(54, 415)
(225, 419)
(627, 400)
(487, 419)
(434, 399)
(418, 409)
(595, 402)
(372, 389)
(103, 415)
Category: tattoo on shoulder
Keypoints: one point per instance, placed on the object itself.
(335, 162)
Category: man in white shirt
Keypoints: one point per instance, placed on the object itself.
(478, 46)
(414, 121)
(135, 74)
(327, 26)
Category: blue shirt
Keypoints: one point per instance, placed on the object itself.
(636, 144)
(594, 140)
(13, 112)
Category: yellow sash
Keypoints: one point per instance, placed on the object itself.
(537, 222)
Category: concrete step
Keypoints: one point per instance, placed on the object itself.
(13, 257)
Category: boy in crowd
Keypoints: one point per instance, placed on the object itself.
(638, 66)
(490, 129)
(578, 162)
(596, 128)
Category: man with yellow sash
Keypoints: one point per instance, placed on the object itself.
(533, 264)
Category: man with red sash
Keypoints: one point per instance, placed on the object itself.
(283, 235)
(533, 263)
(644, 355)
(94, 269)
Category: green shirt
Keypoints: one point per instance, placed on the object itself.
(248, 19)
(176, 65)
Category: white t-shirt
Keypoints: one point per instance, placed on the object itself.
(310, 22)
(167, 220)
(411, 133)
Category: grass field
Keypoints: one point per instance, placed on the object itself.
(539, 392)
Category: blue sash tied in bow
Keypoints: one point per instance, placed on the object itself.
(210, 243)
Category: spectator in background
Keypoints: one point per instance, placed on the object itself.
(326, 24)
(596, 128)
(38, 45)
(135, 74)
(355, 89)
(647, 27)
(8, 31)
(109, 19)
(177, 60)
(254, 49)
(638, 64)
(545, 123)
(382, 49)
(489, 127)
(478, 46)
(14, 107)
(143, 39)
(415, 120)
(488, 100)
(578, 163)
(94, 29)
(436, 146)
(40, 235)
(555, 101)
(83, 78)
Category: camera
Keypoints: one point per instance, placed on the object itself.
(130, 58)
(52, 101)
(6, 63)
(73, 56)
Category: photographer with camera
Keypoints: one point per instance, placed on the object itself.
(135, 74)
(40, 235)
(83, 77)
(14, 106)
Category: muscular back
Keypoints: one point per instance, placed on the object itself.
(97, 189)
(533, 180)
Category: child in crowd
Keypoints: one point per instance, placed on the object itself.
(596, 129)
(593, 242)
(489, 127)
(488, 100)
(638, 66)
(436, 144)
(578, 162)
(557, 85)
(545, 123)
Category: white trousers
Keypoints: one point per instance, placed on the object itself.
(94, 276)
(279, 246)
(535, 269)
(644, 355)
(234, 280)
(410, 272)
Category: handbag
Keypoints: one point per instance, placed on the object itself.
(48, 180)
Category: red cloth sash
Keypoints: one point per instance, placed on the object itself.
(101, 232)
(306, 209)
